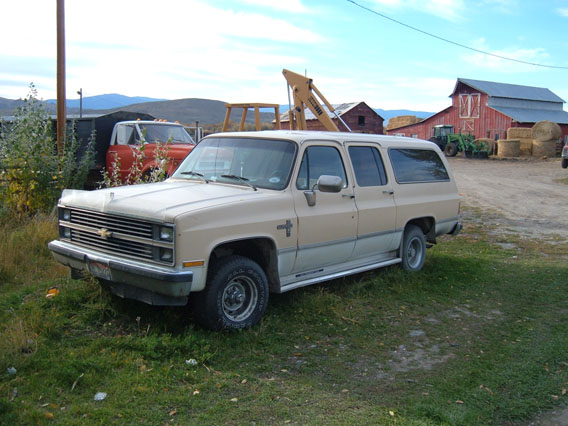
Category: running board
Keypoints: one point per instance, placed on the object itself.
(335, 275)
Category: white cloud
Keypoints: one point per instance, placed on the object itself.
(175, 50)
(563, 12)
(294, 6)
(493, 63)
(451, 10)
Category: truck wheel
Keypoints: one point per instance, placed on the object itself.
(565, 163)
(413, 250)
(451, 150)
(235, 296)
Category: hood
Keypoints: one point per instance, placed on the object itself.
(179, 150)
(161, 201)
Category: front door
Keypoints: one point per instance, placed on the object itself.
(326, 230)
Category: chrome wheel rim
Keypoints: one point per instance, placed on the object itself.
(239, 298)
(414, 253)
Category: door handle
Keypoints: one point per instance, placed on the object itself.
(388, 191)
(348, 195)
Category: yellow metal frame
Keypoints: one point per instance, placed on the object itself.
(246, 107)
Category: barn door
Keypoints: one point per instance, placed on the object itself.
(469, 105)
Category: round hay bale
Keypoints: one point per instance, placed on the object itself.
(508, 148)
(546, 131)
(542, 149)
(487, 141)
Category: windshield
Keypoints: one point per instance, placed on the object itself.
(164, 133)
(263, 163)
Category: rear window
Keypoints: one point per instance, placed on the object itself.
(417, 165)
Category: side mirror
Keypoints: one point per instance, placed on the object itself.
(327, 183)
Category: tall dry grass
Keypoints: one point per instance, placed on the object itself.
(24, 256)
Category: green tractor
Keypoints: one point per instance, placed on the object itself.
(452, 143)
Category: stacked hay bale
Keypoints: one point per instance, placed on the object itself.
(402, 120)
(508, 148)
(545, 136)
(524, 134)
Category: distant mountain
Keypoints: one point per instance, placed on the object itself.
(108, 101)
(390, 113)
(190, 110)
(186, 111)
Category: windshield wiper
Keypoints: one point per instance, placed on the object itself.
(241, 179)
(199, 175)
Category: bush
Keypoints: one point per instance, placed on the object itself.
(135, 176)
(32, 174)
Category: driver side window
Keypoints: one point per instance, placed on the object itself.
(317, 161)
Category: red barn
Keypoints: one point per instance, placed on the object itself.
(359, 116)
(486, 110)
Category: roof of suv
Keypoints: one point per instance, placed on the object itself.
(300, 136)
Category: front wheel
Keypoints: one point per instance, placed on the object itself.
(565, 163)
(235, 296)
(413, 249)
(451, 150)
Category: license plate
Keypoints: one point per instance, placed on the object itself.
(99, 269)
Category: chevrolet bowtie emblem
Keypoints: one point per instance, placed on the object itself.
(104, 233)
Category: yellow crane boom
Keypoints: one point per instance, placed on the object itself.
(306, 94)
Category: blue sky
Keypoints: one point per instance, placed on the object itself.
(235, 51)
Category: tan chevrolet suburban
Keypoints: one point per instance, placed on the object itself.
(247, 214)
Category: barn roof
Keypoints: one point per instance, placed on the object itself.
(530, 115)
(513, 91)
(340, 109)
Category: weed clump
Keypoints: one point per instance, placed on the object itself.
(32, 172)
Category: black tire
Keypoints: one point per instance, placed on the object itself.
(565, 163)
(413, 249)
(451, 150)
(235, 296)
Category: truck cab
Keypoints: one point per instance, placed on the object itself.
(130, 135)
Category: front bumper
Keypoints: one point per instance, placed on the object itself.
(151, 284)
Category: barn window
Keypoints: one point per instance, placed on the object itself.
(362, 120)
(469, 105)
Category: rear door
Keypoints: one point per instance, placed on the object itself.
(326, 230)
(374, 199)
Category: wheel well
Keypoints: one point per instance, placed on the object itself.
(428, 226)
(260, 250)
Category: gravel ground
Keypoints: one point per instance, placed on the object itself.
(525, 196)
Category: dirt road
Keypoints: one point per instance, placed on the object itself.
(529, 197)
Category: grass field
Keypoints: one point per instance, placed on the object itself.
(478, 337)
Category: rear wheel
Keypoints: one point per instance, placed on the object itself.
(565, 163)
(235, 296)
(413, 250)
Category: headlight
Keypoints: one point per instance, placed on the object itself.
(166, 233)
(66, 215)
(66, 232)
(166, 254)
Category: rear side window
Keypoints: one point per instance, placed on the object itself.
(417, 165)
(368, 166)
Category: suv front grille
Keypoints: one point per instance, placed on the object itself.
(118, 235)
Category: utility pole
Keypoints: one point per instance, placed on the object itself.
(80, 93)
(61, 100)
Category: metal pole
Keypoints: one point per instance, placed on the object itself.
(61, 101)
(80, 93)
